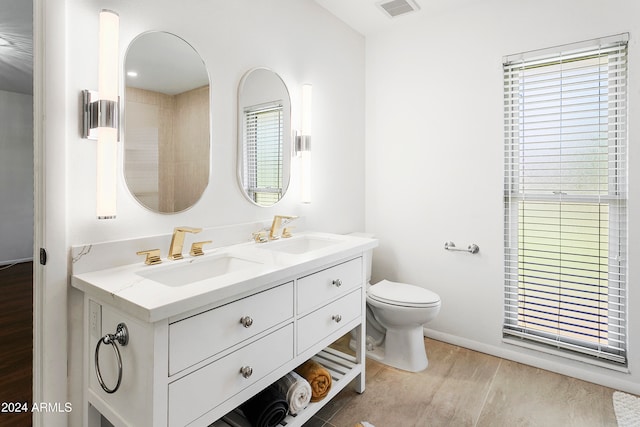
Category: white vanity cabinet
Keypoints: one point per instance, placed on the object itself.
(196, 367)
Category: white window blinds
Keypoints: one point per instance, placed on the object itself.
(263, 155)
(565, 197)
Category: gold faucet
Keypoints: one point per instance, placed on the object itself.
(175, 249)
(196, 248)
(152, 256)
(277, 223)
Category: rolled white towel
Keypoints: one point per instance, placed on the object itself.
(297, 390)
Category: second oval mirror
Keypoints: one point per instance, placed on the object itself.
(264, 136)
(166, 128)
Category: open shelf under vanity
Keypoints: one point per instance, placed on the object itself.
(342, 368)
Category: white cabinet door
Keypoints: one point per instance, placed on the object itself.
(194, 339)
(318, 288)
(328, 319)
(197, 393)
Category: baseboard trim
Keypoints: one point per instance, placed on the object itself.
(15, 261)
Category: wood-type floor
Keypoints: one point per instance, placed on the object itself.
(16, 343)
(462, 388)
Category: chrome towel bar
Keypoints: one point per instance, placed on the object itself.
(472, 248)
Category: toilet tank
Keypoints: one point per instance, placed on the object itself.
(368, 255)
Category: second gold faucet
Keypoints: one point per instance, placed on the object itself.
(278, 222)
(177, 241)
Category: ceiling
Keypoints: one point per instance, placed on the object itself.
(366, 17)
(16, 27)
(16, 46)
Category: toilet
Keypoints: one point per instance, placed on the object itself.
(396, 313)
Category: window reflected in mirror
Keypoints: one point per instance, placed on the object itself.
(263, 141)
(264, 137)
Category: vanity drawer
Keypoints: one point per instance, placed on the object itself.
(197, 393)
(194, 339)
(324, 321)
(318, 288)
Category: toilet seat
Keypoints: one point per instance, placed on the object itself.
(402, 294)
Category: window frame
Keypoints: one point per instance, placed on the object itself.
(615, 199)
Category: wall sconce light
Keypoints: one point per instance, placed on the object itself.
(100, 115)
(303, 145)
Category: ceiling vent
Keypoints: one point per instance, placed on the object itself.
(394, 8)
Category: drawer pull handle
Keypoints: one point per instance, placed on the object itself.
(336, 317)
(246, 321)
(337, 283)
(246, 371)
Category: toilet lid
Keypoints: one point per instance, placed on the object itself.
(403, 294)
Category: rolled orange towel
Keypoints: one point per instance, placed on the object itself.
(318, 377)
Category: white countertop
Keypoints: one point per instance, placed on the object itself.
(126, 287)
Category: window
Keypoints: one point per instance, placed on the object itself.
(565, 198)
(263, 154)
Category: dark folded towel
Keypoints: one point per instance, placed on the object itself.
(267, 408)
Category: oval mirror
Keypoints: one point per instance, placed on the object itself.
(264, 136)
(166, 122)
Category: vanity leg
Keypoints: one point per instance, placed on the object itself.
(94, 417)
(359, 382)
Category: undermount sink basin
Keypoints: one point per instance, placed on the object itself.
(197, 270)
(299, 245)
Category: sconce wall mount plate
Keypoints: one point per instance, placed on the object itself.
(303, 143)
(98, 113)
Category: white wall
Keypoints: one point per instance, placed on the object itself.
(299, 40)
(435, 158)
(16, 177)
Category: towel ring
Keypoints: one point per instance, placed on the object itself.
(121, 336)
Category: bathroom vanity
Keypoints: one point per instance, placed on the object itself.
(207, 333)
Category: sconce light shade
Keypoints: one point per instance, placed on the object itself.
(305, 176)
(307, 91)
(303, 145)
(102, 114)
(106, 178)
(108, 59)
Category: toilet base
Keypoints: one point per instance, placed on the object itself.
(407, 350)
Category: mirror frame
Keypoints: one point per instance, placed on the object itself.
(287, 138)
